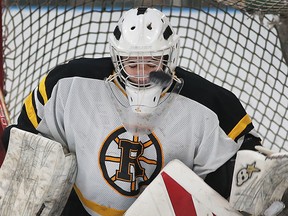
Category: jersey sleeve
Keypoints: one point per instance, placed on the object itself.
(214, 149)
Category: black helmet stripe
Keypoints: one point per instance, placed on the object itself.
(141, 10)
(117, 32)
(167, 33)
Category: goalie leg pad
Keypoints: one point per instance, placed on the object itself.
(36, 176)
(177, 190)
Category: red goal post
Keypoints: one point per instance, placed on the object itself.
(234, 43)
(4, 117)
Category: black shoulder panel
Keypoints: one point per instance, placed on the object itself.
(87, 68)
(221, 101)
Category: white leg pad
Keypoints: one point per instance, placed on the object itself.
(177, 190)
(36, 176)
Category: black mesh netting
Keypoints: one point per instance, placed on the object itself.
(235, 49)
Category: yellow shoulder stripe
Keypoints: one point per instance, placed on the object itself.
(42, 90)
(30, 110)
(242, 124)
(99, 209)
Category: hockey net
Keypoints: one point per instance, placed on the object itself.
(235, 44)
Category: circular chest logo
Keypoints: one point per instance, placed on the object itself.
(129, 162)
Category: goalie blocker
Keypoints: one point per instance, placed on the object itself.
(37, 176)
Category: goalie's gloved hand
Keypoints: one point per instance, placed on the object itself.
(260, 182)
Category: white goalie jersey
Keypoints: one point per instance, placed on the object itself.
(72, 106)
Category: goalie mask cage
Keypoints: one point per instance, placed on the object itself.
(236, 44)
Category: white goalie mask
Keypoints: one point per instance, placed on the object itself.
(144, 50)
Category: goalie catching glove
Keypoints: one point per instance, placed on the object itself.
(259, 182)
(37, 176)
